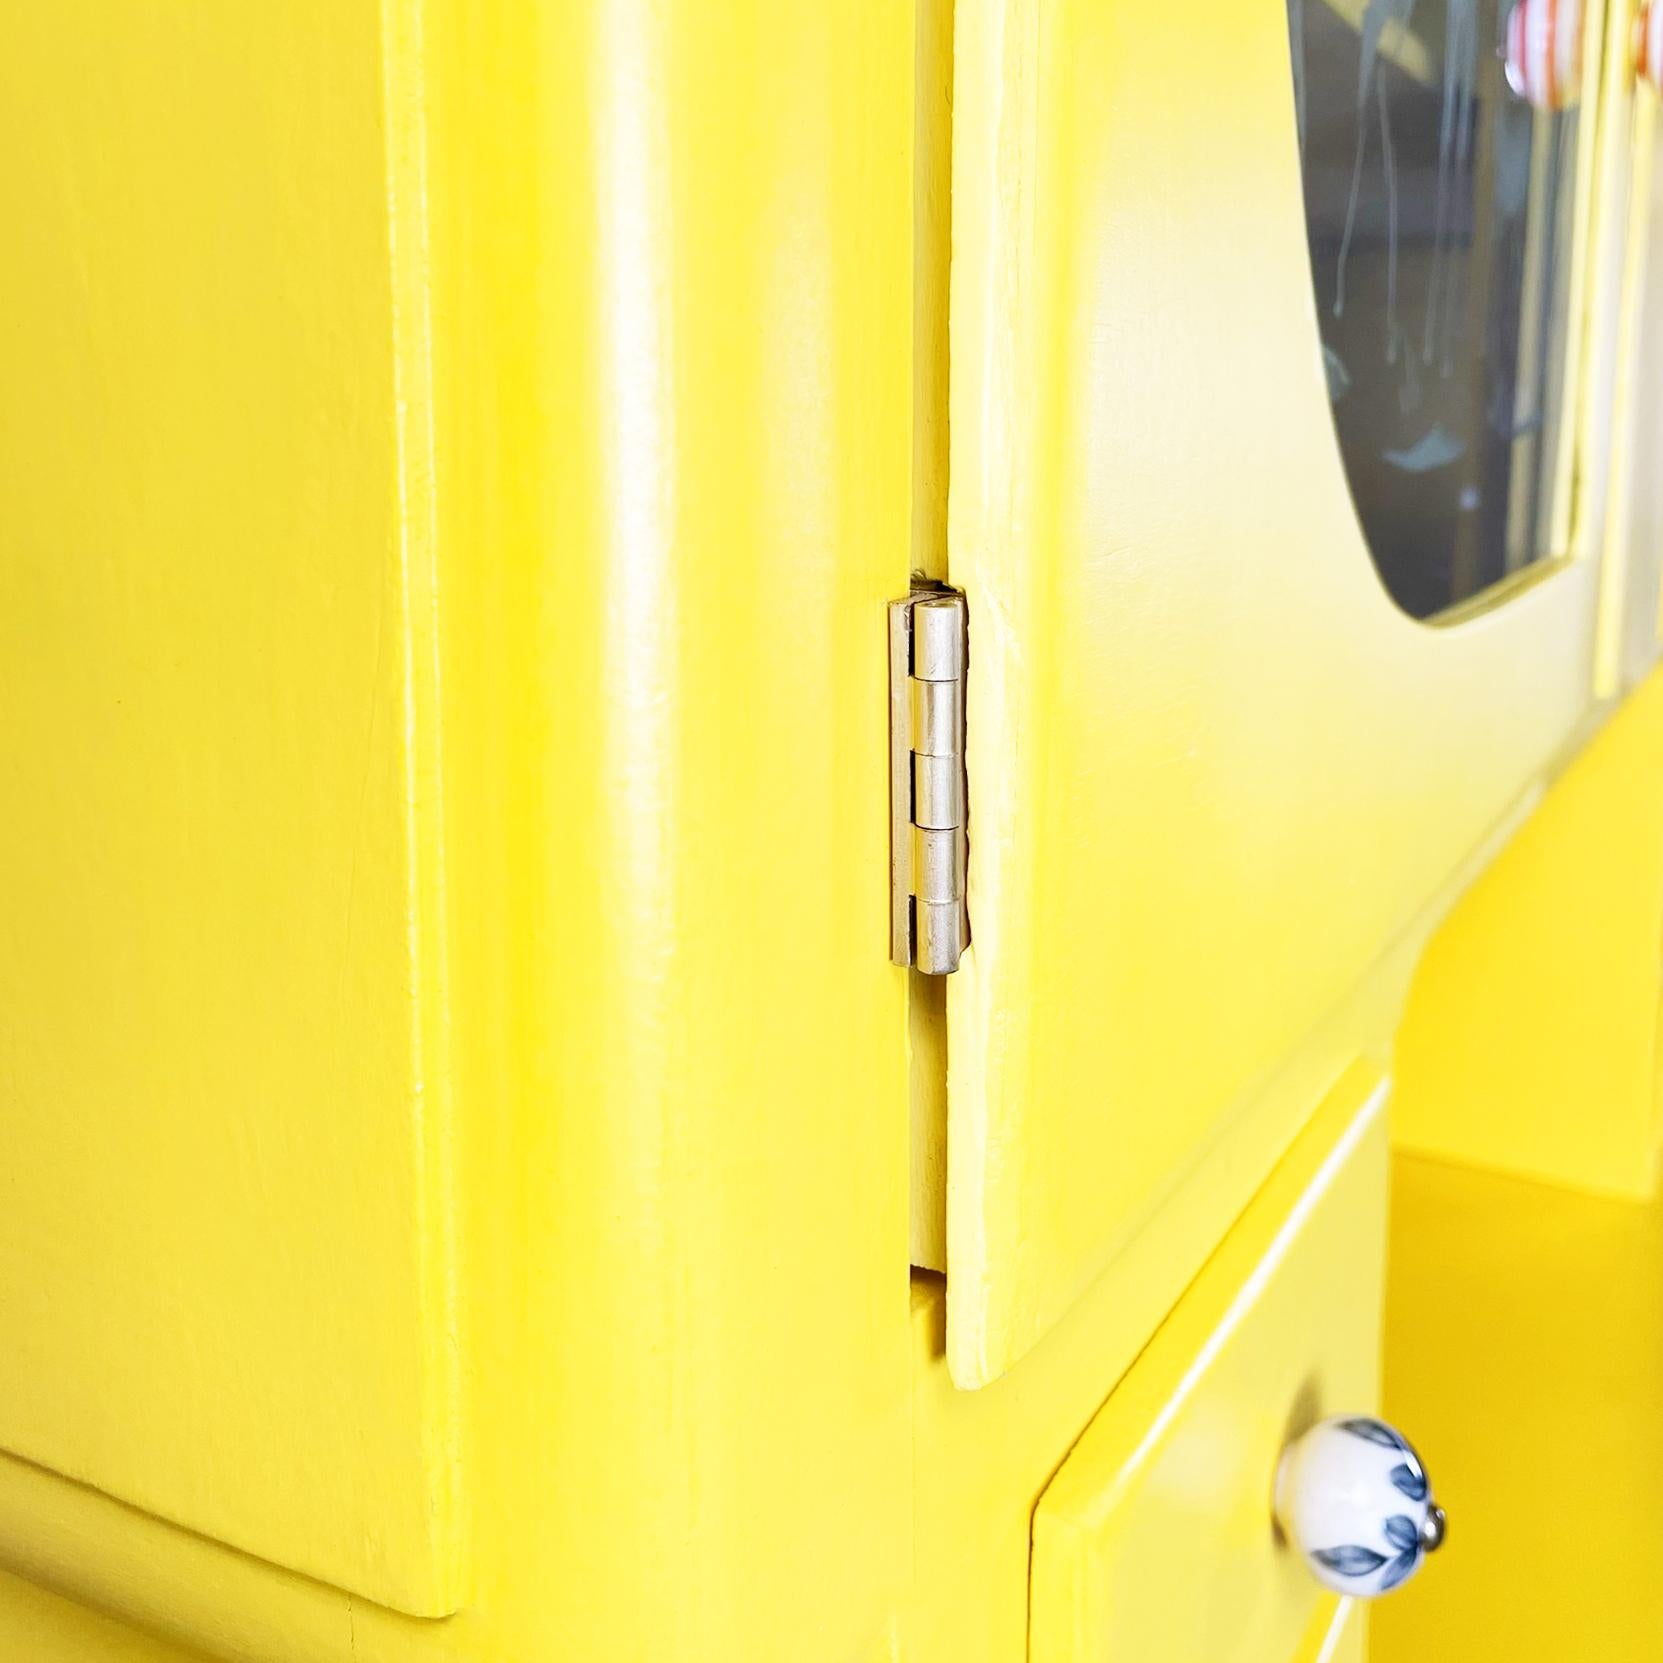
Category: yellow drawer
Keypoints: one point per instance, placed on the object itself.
(1155, 1540)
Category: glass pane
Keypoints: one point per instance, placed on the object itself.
(1438, 209)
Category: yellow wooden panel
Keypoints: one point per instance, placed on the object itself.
(1524, 1346)
(1337, 1635)
(1612, 349)
(38, 1627)
(1636, 502)
(1155, 1540)
(1529, 1042)
(932, 247)
(671, 252)
(983, 1459)
(1213, 772)
(224, 1094)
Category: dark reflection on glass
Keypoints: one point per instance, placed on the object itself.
(1437, 205)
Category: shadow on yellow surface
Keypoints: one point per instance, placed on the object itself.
(1524, 1344)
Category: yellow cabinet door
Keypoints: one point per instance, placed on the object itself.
(225, 1272)
(1214, 772)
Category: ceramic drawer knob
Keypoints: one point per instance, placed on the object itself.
(1352, 1497)
(1544, 52)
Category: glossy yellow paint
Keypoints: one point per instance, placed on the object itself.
(1529, 1043)
(1634, 519)
(544, 411)
(1589, 306)
(1171, 606)
(1341, 1638)
(657, 263)
(1605, 312)
(983, 1459)
(38, 1627)
(932, 220)
(225, 1253)
(1524, 1343)
(1170, 1480)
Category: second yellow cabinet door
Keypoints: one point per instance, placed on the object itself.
(1214, 771)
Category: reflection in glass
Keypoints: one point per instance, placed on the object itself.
(1438, 209)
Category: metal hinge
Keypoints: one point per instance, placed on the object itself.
(929, 925)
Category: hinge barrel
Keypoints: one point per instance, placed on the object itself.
(929, 843)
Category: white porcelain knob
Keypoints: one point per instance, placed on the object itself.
(1352, 1497)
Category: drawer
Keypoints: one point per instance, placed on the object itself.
(1155, 1541)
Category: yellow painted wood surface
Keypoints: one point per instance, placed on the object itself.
(1342, 1638)
(982, 1460)
(632, 448)
(1636, 482)
(225, 1252)
(932, 249)
(1602, 311)
(668, 255)
(38, 1627)
(1155, 1540)
(1524, 1344)
(1529, 1042)
(1214, 774)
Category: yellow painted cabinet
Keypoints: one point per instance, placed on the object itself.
(454, 459)
(1154, 1540)
(1215, 775)
(226, 1279)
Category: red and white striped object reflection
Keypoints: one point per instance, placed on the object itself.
(1648, 44)
(1544, 52)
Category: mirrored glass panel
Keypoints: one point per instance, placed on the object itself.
(1438, 210)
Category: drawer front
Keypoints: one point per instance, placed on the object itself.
(1155, 1543)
